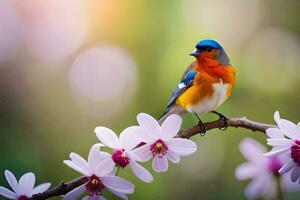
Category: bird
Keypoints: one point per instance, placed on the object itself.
(205, 85)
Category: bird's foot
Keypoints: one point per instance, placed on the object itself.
(223, 118)
(202, 128)
(201, 125)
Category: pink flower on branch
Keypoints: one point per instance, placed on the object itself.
(285, 141)
(123, 147)
(262, 171)
(24, 189)
(160, 143)
(100, 170)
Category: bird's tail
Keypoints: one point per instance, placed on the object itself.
(171, 110)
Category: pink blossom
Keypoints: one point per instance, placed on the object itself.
(99, 170)
(285, 141)
(123, 147)
(24, 189)
(262, 171)
(160, 143)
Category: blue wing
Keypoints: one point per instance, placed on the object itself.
(186, 82)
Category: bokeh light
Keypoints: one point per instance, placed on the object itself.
(228, 21)
(105, 74)
(10, 29)
(208, 159)
(273, 57)
(68, 66)
(53, 29)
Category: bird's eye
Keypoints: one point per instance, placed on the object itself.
(208, 49)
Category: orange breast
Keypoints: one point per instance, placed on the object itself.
(203, 84)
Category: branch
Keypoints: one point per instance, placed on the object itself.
(64, 188)
(61, 189)
(242, 122)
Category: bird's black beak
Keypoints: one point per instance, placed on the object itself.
(195, 53)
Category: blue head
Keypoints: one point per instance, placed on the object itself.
(212, 49)
(208, 43)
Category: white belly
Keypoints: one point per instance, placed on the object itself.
(210, 103)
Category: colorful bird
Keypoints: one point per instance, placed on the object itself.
(206, 83)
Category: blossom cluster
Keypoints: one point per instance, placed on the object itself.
(278, 169)
(136, 144)
(279, 166)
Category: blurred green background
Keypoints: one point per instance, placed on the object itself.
(69, 66)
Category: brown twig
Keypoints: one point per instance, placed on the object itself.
(64, 188)
(60, 189)
(242, 122)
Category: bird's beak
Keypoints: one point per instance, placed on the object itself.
(196, 53)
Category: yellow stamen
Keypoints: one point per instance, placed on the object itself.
(159, 147)
(123, 155)
(95, 182)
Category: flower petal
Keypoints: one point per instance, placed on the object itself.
(252, 150)
(7, 193)
(287, 167)
(119, 194)
(41, 188)
(287, 183)
(274, 133)
(141, 172)
(75, 193)
(150, 124)
(276, 116)
(288, 127)
(107, 137)
(130, 137)
(95, 197)
(142, 153)
(246, 171)
(295, 174)
(171, 126)
(104, 155)
(160, 164)
(70, 164)
(95, 157)
(26, 184)
(276, 152)
(172, 156)
(80, 162)
(12, 181)
(105, 167)
(130, 155)
(257, 187)
(280, 142)
(117, 184)
(183, 147)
